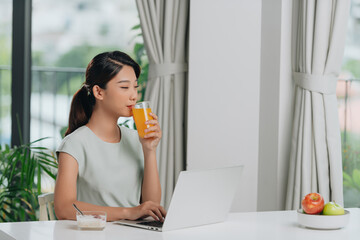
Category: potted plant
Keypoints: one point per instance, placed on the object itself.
(21, 170)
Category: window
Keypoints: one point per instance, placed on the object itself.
(5, 70)
(66, 35)
(348, 93)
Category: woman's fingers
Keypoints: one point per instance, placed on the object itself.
(152, 129)
(159, 211)
(152, 122)
(153, 135)
(159, 214)
(153, 115)
(152, 209)
(153, 215)
(163, 211)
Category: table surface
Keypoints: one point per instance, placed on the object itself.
(252, 225)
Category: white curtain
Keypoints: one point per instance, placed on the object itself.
(315, 161)
(164, 25)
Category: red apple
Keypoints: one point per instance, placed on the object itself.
(313, 203)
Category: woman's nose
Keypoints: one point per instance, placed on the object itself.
(134, 94)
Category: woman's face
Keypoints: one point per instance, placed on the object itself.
(120, 94)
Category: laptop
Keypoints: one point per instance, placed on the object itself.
(200, 197)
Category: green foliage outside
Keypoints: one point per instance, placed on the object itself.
(351, 153)
(5, 60)
(21, 170)
(351, 150)
(80, 56)
(353, 180)
(5, 76)
(5, 90)
(139, 54)
(5, 53)
(351, 169)
(352, 66)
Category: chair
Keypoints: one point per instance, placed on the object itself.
(46, 202)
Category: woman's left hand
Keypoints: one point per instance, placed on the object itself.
(152, 134)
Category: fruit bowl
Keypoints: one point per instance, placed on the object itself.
(323, 221)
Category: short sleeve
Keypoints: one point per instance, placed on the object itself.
(72, 146)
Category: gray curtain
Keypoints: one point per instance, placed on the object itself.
(315, 161)
(164, 25)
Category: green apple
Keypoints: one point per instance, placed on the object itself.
(332, 208)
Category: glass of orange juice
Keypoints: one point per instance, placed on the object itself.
(141, 114)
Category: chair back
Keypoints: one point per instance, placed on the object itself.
(46, 202)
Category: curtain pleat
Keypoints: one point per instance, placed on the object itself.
(315, 159)
(164, 26)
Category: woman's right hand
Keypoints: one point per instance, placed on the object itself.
(147, 209)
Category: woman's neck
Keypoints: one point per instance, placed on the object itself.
(104, 127)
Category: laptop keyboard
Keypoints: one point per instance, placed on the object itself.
(152, 223)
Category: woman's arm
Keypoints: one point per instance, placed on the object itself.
(151, 188)
(65, 196)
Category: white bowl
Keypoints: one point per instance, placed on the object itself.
(323, 221)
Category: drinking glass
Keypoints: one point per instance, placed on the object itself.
(141, 114)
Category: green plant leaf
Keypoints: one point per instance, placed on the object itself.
(356, 178)
(38, 148)
(49, 163)
(48, 172)
(38, 140)
(1, 217)
(20, 167)
(13, 168)
(8, 215)
(46, 155)
(63, 131)
(137, 26)
(347, 179)
(38, 178)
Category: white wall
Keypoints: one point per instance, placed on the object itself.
(286, 101)
(223, 90)
(269, 104)
(276, 104)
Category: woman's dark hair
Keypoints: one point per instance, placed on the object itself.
(101, 69)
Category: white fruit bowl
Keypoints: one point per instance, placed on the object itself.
(323, 221)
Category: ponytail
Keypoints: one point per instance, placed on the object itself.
(81, 109)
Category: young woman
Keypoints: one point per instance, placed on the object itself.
(103, 166)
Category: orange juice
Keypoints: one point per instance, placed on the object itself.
(141, 115)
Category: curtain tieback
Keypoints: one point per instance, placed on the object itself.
(163, 69)
(316, 83)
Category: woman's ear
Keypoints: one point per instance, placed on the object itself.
(98, 92)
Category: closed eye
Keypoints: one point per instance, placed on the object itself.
(128, 87)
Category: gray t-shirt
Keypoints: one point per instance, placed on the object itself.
(110, 174)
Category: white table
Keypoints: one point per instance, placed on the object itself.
(253, 225)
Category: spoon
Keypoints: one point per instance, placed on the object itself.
(77, 209)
